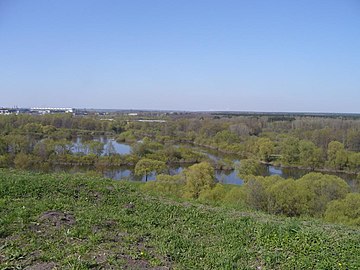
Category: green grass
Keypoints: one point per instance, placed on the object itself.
(103, 224)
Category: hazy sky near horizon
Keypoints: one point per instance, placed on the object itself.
(244, 55)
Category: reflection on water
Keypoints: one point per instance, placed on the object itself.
(119, 148)
(119, 174)
(110, 146)
(275, 171)
(228, 177)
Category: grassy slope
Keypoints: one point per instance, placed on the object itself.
(99, 224)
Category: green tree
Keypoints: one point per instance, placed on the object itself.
(126, 136)
(290, 151)
(257, 191)
(146, 147)
(33, 128)
(322, 137)
(336, 156)
(18, 143)
(95, 147)
(44, 149)
(353, 140)
(310, 156)
(354, 161)
(48, 129)
(225, 136)
(199, 177)
(110, 149)
(248, 167)
(318, 190)
(146, 166)
(285, 198)
(266, 149)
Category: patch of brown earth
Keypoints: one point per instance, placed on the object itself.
(57, 218)
(140, 264)
(42, 266)
(83, 190)
(52, 219)
(108, 231)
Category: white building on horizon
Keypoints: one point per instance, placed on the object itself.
(4, 112)
(52, 110)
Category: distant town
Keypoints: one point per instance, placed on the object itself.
(35, 110)
(135, 112)
(75, 111)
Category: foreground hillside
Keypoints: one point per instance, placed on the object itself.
(61, 221)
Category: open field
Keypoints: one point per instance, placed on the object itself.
(64, 221)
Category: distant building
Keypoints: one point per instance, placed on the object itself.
(51, 110)
(151, 121)
(4, 112)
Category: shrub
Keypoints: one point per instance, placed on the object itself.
(319, 189)
(146, 166)
(24, 161)
(199, 177)
(216, 194)
(235, 197)
(172, 185)
(345, 211)
(247, 168)
(285, 198)
(256, 189)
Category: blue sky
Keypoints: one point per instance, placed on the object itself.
(252, 55)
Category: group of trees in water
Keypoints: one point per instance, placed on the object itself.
(316, 143)
(29, 140)
(308, 142)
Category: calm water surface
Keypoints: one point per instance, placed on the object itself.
(110, 146)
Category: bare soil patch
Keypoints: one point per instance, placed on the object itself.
(52, 220)
(57, 219)
(42, 266)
